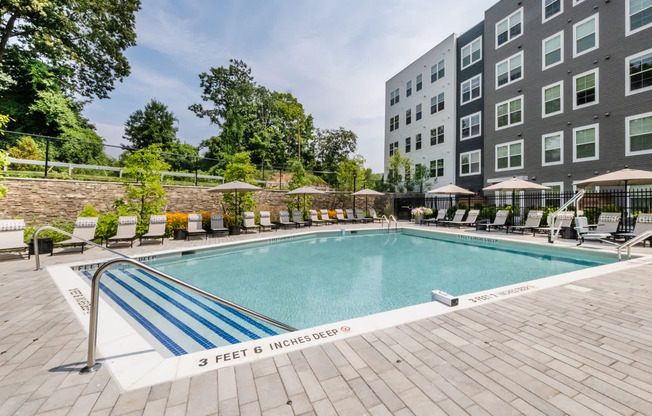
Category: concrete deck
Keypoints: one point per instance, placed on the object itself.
(582, 349)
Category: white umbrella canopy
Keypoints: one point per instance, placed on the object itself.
(619, 178)
(305, 190)
(516, 184)
(451, 190)
(235, 187)
(366, 192)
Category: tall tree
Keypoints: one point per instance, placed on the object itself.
(152, 125)
(86, 36)
(333, 147)
(147, 195)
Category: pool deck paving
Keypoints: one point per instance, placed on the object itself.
(580, 349)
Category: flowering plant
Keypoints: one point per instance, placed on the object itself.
(421, 211)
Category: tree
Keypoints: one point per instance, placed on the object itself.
(348, 170)
(147, 195)
(394, 165)
(26, 148)
(152, 125)
(333, 147)
(88, 37)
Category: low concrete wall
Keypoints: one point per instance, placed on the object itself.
(39, 201)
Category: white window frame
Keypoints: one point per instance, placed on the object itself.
(628, 29)
(545, 192)
(509, 39)
(469, 154)
(628, 82)
(543, 11)
(470, 47)
(597, 88)
(597, 143)
(597, 35)
(561, 148)
(561, 99)
(508, 107)
(543, 50)
(628, 151)
(509, 70)
(508, 144)
(470, 81)
(479, 114)
(576, 2)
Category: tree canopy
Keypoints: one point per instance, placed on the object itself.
(152, 125)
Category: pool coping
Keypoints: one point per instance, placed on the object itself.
(134, 363)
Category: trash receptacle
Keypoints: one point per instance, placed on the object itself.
(180, 233)
(45, 245)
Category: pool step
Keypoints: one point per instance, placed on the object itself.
(174, 320)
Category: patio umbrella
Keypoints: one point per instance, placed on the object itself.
(366, 192)
(451, 190)
(235, 187)
(305, 190)
(516, 184)
(619, 178)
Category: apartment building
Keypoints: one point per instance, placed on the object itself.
(568, 89)
(420, 110)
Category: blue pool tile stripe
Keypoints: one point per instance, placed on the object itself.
(166, 341)
(165, 314)
(208, 324)
(239, 314)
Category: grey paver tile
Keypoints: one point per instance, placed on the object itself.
(250, 409)
(202, 396)
(324, 408)
(271, 392)
(301, 404)
(155, 407)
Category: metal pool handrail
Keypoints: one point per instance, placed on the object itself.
(629, 243)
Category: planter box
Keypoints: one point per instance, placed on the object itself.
(45, 245)
(234, 230)
(180, 233)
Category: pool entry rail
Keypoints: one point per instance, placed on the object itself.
(91, 364)
(554, 230)
(629, 243)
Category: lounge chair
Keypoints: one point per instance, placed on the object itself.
(156, 229)
(325, 217)
(284, 220)
(563, 220)
(126, 231)
(350, 215)
(249, 222)
(608, 222)
(587, 232)
(499, 222)
(340, 217)
(265, 221)
(532, 221)
(297, 217)
(643, 224)
(314, 218)
(12, 235)
(217, 225)
(84, 230)
(195, 226)
(470, 220)
(359, 215)
(459, 214)
(441, 214)
(374, 217)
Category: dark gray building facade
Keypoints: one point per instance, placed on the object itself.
(567, 90)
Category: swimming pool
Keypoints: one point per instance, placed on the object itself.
(321, 278)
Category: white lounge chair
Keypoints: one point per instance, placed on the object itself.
(12, 235)
(126, 231)
(217, 225)
(499, 222)
(459, 214)
(314, 218)
(265, 221)
(532, 221)
(470, 220)
(359, 215)
(195, 226)
(325, 217)
(563, 220)
(284, 220)
(298, 218)
(156, 228)
(643, 224)
(84, 230)
(374, 217)
(441, 214)
(587, 232)
(249, 222)
(340, 216)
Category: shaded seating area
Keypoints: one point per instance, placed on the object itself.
(266, 221)
(156, 229)
(470, 221)
(249, 222)
(500, 221)
(341, 218)
(12, 235)
(284, 220)
(84, 230)
(126, 231)
(298, 218)
(459, 215)
(217, 225)
(195, 227)
(532, 221)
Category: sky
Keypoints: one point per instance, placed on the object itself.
(333, 56)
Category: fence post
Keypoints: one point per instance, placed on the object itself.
(47, 154)
(196, 168)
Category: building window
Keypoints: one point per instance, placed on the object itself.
(509, 28)
(471, 89)
(391, 149)
(553, 102)
(585, 36)
(639, 15)
(408, 144)
(419, 112)
(436, 168)
(470, 163)
(552, 150)
(393, 123)
(639, 134)
(408, 89)
(509, 155)
(437, 71)
(551, 8)
(394, 97)
(437, 135)
(509, 70)
(419, 83)
(437, 103)
(585, 143)
(470, 126)
(408, 116)
(417, 142)
(553, 50)
(640, 72)
(585, 89)
(509, 113)
(471, 53)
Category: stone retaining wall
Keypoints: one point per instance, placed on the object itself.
(39, 201)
